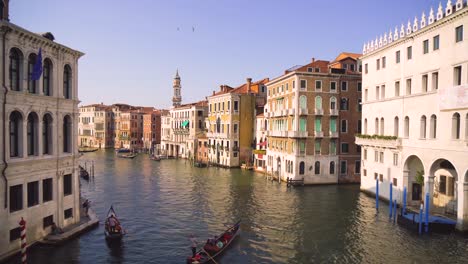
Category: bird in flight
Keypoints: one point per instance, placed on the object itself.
(193, 29)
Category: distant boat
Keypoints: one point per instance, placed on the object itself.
(212, 249)
(116, 231)
(128, 156)
(123, 150)
(83, 173)
(87, 149)
(155, 158)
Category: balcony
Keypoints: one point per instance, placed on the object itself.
(277, 133)
(334, 112)
(378, 141)
(318, 134)
(291, 111)
(297, 134)
(303, 111)
(334, 134)
(318, 111)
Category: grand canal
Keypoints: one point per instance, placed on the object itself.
(161, 203)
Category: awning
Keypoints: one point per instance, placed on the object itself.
(259, 151)
(185, 123)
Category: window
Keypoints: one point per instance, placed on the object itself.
(235, 128)
(343, 165)
(47, 221)
(433, 127)
(366, 68)
(365, 126)
(456, 126)
(33, 193)
(68, 213)
(67, 132)
(422, 133)
(16, 198)
(382, 92)
(377, 63)
(376, 175)
(317, 168)
(31, 130)
(359, 126)
(67, 82)
(459, 33)
(357, 167)
(376, 156)
(344, 126)
(365, 154)
(381, 177)
(457, 75)
(47, 190)
(382, 126)
(15, 69)
(67, 184)
(384, 62)
(408, 86)
(318, 85)
(409, 53)
(332, 86)
(359, 86)
(318, 102)
(396, 124)
(352, 67)
(381, 157)
(397, 88)
(32, 84)
(303, 102)
(395, 159)
(435, 43)
(442, 184)
(317, 69)
(344, 147)
(333, 103)
(407, 124)
(317, 147)
(424, 83)
(16, 128)
(377, 93)
(318, 124)
(15, 234)
(310, 69)
(344, 86)
(344, 104)
(435, 81)
(236, 106)
(303, 84)
(301, 168)
(333, 147)
(366, 95)
(397, 57)
(302, 124)
(376, 130)
(46, 77)
(426, 46)
(364, 172)
(332, 167)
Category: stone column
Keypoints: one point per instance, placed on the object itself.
(429, 182)
(462, 206)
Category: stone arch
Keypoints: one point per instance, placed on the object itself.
(15, 69)
(412, 167)
(445, 185)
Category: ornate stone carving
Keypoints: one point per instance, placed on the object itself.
(395, 35)
(402, 31)
(440, 13)
(408, 28)
(459, 5)
(449, 8)
(431, 16)
(390, 36)
(415, 24)
(423, 20)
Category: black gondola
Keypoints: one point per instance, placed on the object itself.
(214, 248)
(115, 231)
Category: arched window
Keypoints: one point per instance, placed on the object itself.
(317, 167)
(396, 126)
(32, 85)
(433, 129)
(47, 134)
(365, 126)
(333, 103)
(332, 167)
(344, 104)
(15, 69)
(67, 82)
(376, 131)
(16, 130)
(407, 126)
(218, 125)
(456, 126)
(32, 134)
(303, 102)
(291, 166)
(318, 102)
(47, 77)
(67, 131)
(422, 130)
(301, 168)
(382, 126)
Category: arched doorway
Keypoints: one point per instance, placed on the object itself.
(445, 194)
(413, 171)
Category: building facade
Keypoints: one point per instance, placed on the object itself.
(259, 152)
(151, 130)
(231, 121)
(39, 156)
(313, 113)
(415, 112)
(96, 126)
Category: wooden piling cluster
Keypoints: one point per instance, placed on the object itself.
(291, 182)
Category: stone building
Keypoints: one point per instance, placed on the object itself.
(231, 121)
(152, 129)
(261, 142)
(313, 112)
(39, 118)
(96, 126)
(415, 112)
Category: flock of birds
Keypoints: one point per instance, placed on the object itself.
(193, 29)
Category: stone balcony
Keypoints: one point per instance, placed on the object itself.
(334, 134)
(303, 111)
(334, 112)
(318, 134)
(318, 112)
(277, 133)
(298, 134)
(379, 142)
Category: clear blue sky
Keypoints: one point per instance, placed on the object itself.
(133, 47)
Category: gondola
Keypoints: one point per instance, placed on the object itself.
(115, 233)
(155, 158)
(214, 248)
(83, 173)
(127, 156)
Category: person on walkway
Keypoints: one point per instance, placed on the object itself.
(193, 245)
(86, 206)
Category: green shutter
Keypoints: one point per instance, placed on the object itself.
(333, 125)
(303, 124)
(318, 124)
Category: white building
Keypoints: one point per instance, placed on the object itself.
(415, 83)
(260, 157)
(39, 154)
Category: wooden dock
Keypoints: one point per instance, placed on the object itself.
(290, 182)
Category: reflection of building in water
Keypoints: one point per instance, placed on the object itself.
(415, 83)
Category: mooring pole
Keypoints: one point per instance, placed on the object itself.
(427, 212)
(394, 210)
(390, 206)
(377, 194)
(420, 218)
(403, 207)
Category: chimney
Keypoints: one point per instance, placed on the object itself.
(213, 92)
(249, 82)
(313, 59)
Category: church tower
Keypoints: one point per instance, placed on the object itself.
(4, 10)
(177, 99)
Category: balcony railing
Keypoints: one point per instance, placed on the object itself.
(381, 141)
(334, 112)
(318, 134)
(318, 111)
(303, 111)
(334, 134)
(291, 111)
(297, 134)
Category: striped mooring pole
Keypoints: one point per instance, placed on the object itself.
(22, 224)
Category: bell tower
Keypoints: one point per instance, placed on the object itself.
(4, 10)
(177, 98)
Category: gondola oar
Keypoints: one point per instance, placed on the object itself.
(212, 259)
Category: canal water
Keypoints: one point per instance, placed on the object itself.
(161, 203)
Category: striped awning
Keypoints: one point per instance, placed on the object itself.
(185, 123)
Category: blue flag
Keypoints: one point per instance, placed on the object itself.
(37, 69)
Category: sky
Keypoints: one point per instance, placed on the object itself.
(134, 47)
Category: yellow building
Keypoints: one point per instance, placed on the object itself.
(230, 122)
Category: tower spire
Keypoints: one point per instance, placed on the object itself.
(177, 98)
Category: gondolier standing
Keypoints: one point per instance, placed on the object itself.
(193, 245)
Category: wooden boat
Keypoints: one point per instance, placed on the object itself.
(214, 248)
(155, 158)
(127, 155)
(123, 150)
(115, 233)
(83, 173)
